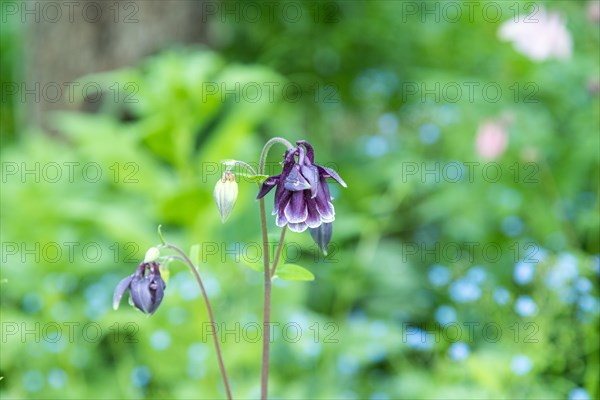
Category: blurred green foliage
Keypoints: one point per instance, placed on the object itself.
(10, 48)
(393, 312)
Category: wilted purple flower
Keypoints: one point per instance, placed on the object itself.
(302, 198)
(146, 288)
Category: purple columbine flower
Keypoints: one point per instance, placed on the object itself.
(146, 288)
(302, 198)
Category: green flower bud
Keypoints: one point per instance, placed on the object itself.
(152, 255)
(226, 192)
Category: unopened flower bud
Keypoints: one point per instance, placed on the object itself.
(322, 235)
(226, 192)
(152, 255)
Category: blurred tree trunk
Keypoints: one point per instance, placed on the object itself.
(93, 36)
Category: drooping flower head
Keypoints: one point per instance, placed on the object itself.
(146, 288)
(302, 198)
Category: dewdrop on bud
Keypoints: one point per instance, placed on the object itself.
(226, 192)
(152, 255)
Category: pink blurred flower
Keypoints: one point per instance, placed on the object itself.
(540, 36)
(593, 86)
(593, 11)
(491, 140)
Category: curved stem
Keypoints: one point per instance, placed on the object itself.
(265, 151)
(264, 379)
(242, 164)
(169, 258)
(189, 262)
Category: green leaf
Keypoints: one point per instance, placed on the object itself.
(195, 254)
(288, 272)
(293, 272)
(255, 178)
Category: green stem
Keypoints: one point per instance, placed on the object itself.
(265, 151)
(190, 264)
(264, 378)
(278, 251)
(242, 164)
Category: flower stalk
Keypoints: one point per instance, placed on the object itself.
(278, 251)
(302, 201)
(264, 380)
(146, 288)
(196, 274)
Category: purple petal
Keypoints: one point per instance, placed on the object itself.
(313, 220)
(296, 210)
(330, 216)
(157, 291)
(282, 197)
(288, 157)
(295, 181)
(288, 163)
(323, 201)
(301, 156)
(329, 173)
(310, 151)
(284, 200)
(281, 220)
(301, 227)
(120, 290)
(267, 185)
(140, 294)
(311, 173)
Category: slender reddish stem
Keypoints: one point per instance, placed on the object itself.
(264, 376)
(278, 251)
(210, 315)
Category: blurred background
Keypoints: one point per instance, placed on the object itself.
(465, 255)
